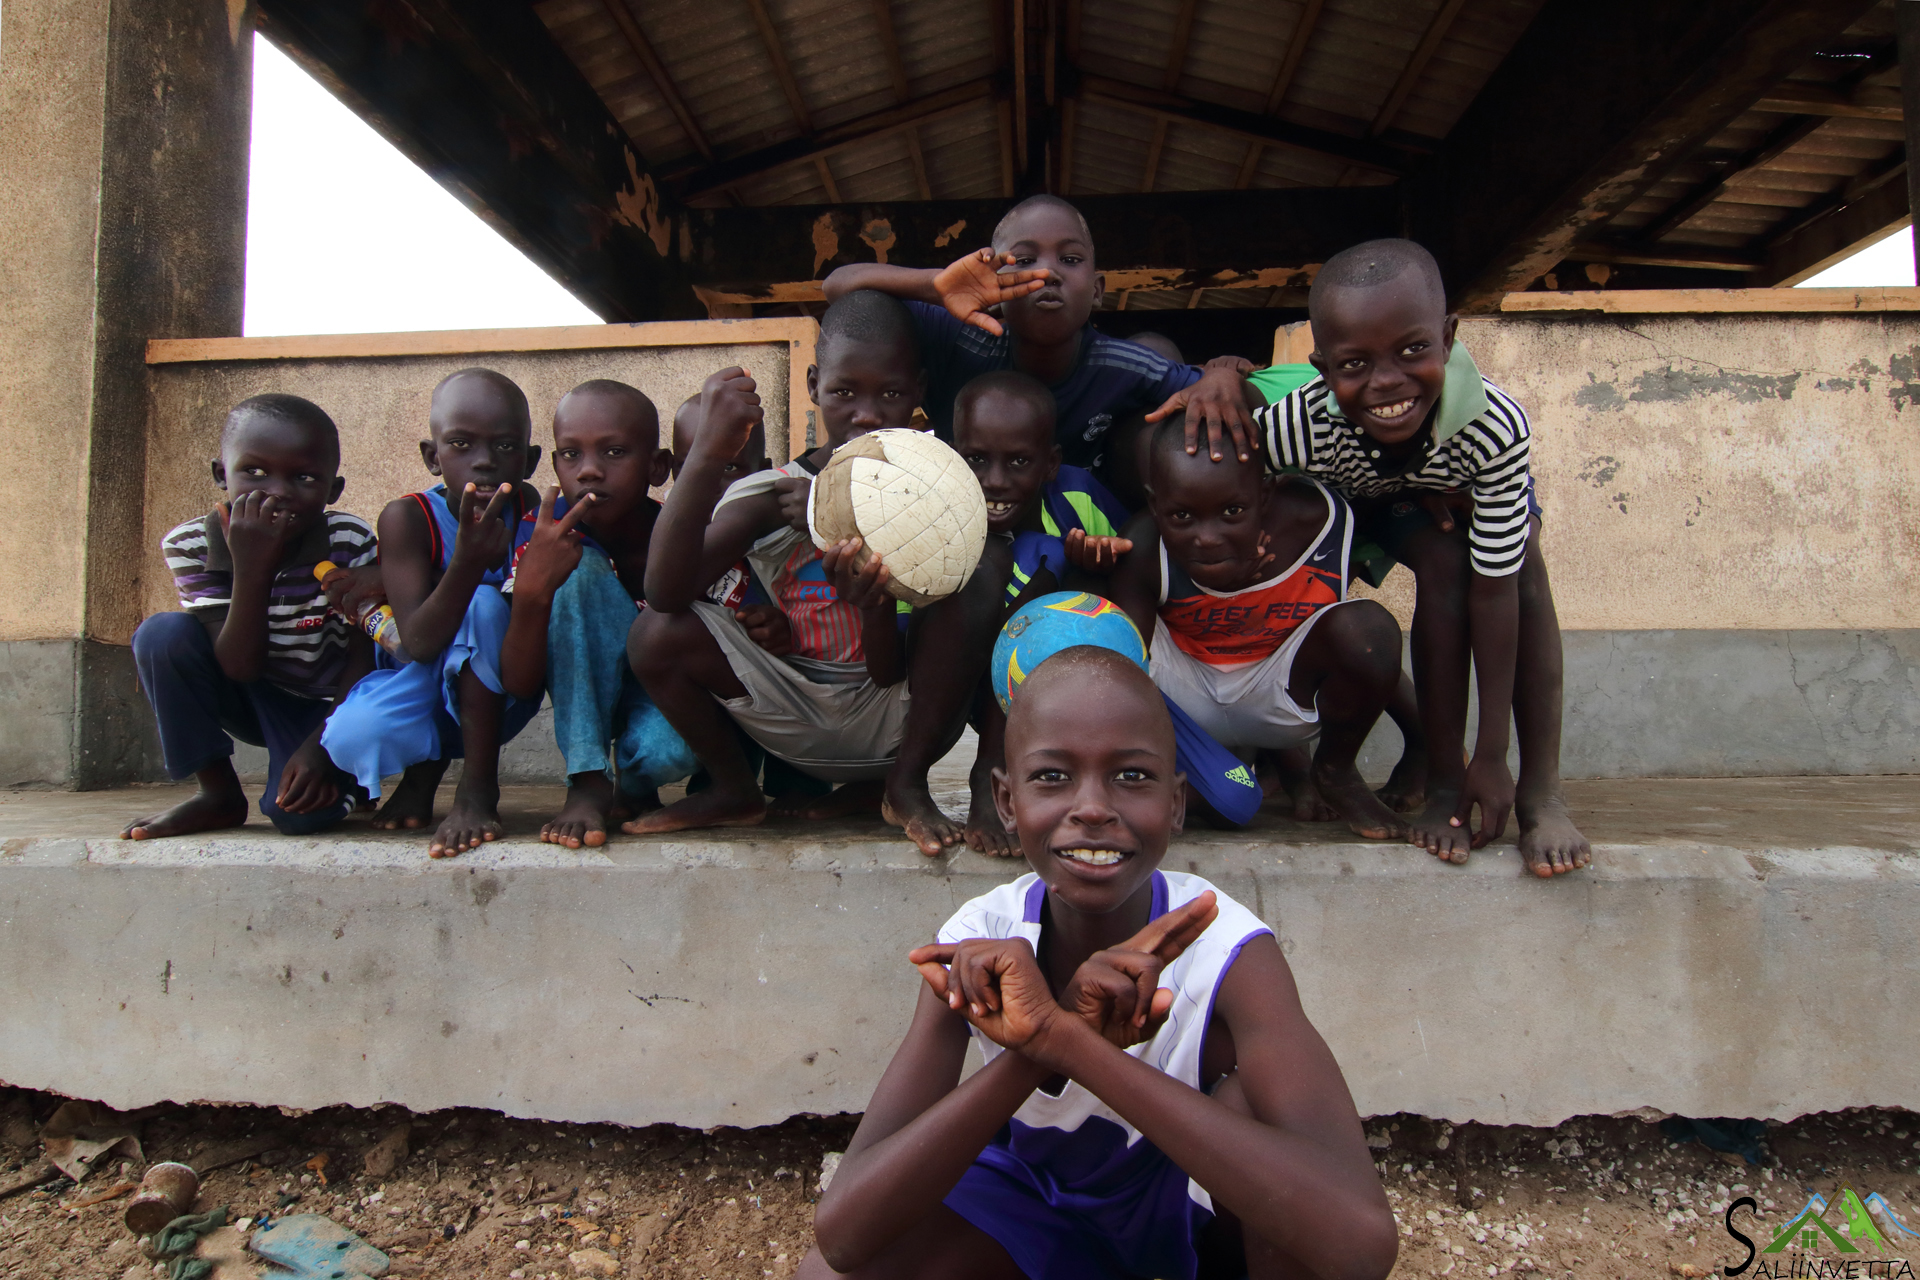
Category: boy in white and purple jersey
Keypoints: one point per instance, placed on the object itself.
(259, 653)
(1152, 1090)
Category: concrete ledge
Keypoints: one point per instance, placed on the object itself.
(1732, 966)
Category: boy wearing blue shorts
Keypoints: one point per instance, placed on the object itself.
(1152, 1091)
(444, 554)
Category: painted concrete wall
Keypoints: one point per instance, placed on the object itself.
(381, 406)
(1724, 472)
(742, 980)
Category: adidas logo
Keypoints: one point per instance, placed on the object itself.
(1240, 775)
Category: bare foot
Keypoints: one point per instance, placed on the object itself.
(205, 810)
(912, 809)
(1293, 779)
(628, 805)
(1433, 829)
(410, 807)
(582, 820)
(1347, 792)
(1406, 788)
(985, 833)
(473, 820)
(715, 807)
(1549, 842)
(842, 802)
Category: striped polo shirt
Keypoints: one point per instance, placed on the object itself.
(306, 637)
(1478, 439)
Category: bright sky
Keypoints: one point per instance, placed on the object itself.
(346, 235)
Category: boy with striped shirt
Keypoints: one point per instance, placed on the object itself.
(1399, 408)
(258, 653)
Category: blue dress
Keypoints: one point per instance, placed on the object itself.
(400, 716)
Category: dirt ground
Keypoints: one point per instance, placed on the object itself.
(479, 1195)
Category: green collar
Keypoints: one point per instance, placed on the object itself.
(1463, 396)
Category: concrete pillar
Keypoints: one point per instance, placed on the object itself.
(123, 197)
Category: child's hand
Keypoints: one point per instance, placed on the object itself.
(865, 587)
(729, 411)
(1444, 505)
(482, 540)
(969, 285)
(1489, 784)
(553, 549)
(307, 783)
(257, 528)
(767, 627)
(1095, 555)
(792, 492)
(351, 590)
(1218, 401)
(995, 984)
(1117, 991)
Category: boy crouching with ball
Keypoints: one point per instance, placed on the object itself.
(1104, 1137)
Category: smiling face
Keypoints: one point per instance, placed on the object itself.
(1209, 513)
(481, 435)
(290, 461)
(1048, 237)
(751, 458)
(865, 385)
(1008, 442)
(607, 445)
(1383, 350)
(1090, 788)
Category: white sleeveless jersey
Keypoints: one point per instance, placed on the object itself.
(1013, 911)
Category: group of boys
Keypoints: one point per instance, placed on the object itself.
(708, 639)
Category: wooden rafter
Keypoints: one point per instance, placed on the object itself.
(1177, 47)
(776, 53)
(1416, 65)
(918, 161)
(1296, 49)
(964, 97)
(1249, 165)
(1867, 103)
(1679, 256)
(1069, 126)
(1150, 171)
(1248, 125)
(657, 71)
(825, 171)
(890, 47)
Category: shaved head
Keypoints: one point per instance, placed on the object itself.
(635, 409)
(1004, 232)
(473, 386)
(1373, 264)
(1083, 676)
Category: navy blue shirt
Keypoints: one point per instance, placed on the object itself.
(1113, 380)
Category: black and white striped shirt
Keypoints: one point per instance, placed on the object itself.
(1486, 455)
(306, 639)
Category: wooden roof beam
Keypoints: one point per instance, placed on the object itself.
(1177, 47)
(697, 181)
(1416, 66)
(1296, 49)
(657, 71)
(776, 53)
(1838, 232)
(1655, 80)
(1248, 125)
(1870, 102)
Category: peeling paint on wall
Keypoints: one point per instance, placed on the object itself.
(826, 242)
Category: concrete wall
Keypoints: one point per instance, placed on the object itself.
(380, 406)
(123, 141)
(740, 980)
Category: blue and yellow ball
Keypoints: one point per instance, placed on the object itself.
(1054, 622)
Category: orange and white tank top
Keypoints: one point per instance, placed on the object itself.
(1234, 628)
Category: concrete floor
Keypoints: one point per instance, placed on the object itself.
(1748, 814)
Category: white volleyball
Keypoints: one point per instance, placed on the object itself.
(913, 501)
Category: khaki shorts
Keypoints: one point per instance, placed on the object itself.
(825, 718)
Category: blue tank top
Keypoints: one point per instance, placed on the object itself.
(443, 526)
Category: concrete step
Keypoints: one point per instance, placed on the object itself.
(1740, 947)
